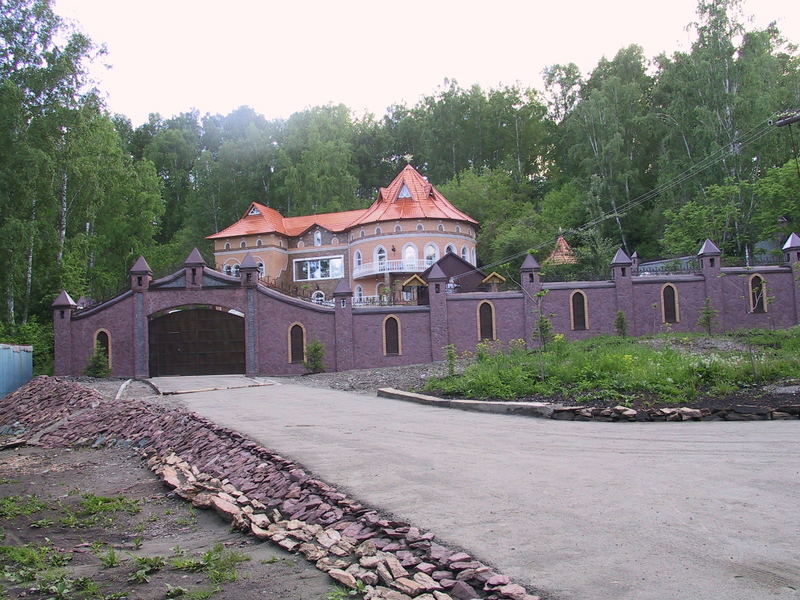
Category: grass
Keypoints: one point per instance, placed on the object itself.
(219, 564)
(15, 506)
(622, 370)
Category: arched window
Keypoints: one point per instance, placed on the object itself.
(458, 228)
(397, 229)
(359, 293)
(464, 254)
(297, 343)
(227, 245)
(259, 242)
(486, 321)
(440, 227)
(578, 315)
(236, 270)
(391, 335)
(318, 238)
(410, 257)
(357, 258)
(228, 270)
(758, 293)
(102, 340)
(243, 244)
(318, 297)
(669, 304)
(419, 227)
(380, 258)
(261, 270)
(450, 249)
(334, 241)
(378, 231)
(362, 233)
(431, 255)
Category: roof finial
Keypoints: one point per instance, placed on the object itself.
(408, 158)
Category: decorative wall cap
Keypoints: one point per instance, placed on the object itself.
(436, 273)
(140, 267)
(793, 243)
(64, 301)
(620, 258)
(248, 263)
(709, 248)
(530, 263)
(343, 288)
(195, 259)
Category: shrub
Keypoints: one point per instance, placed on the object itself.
(315, 353)
(621, 324)
(450, 355)
(707, 316)
(98, 363)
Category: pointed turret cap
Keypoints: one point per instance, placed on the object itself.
(635, 255)
(140, 267)
(620, 258)
(436, 273)
(195, 259)
(343, 288)
(248, 263)
(709, 248)
(793, 243)
(64, 301)
(530, 264)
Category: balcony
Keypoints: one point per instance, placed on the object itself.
(391, 266)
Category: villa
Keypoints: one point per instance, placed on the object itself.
(409, 227)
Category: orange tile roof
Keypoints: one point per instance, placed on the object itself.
(562, 255)
(423, 202)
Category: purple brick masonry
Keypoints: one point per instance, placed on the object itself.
(258, 491)
(354, 337)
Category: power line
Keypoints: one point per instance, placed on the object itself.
(749, 137)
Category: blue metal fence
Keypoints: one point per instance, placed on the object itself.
(16, 367)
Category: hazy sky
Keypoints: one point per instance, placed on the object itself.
(170, 56)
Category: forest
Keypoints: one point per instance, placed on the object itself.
(652, 154)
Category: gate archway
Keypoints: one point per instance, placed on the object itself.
(196, 340)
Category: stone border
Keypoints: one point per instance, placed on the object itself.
(589, 413)
(259, 491)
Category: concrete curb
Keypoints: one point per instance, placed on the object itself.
(529, 409)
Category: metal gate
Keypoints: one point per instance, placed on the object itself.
(196, 341)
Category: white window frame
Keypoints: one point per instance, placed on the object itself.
(299, 260)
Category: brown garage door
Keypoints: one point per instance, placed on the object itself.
(196, 341)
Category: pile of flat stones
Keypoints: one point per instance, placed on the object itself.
(624, 413)
(261, 492)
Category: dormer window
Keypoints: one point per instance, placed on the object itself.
(404, 192)
(254, 211)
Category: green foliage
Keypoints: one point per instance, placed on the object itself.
(708, 316)
(98, 363)
(145, 566)
(615, 369)
(621, 324)
(450, 355)
(219, 564)
(33, 333)
(14, 506)
(315, 355)
(109, 559)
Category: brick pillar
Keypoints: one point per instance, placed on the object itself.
(622, 274)
(194, 265)
(791, 252)
(710, 259)
(248, 272)
(343, 326)
(531, 285)
(437, 297)
(63, 307)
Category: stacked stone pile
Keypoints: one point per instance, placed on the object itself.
(42, 402)
(623, 413)
(261, 492)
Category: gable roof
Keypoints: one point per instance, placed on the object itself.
(562, 254)
(410, 196)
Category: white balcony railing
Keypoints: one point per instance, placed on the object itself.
(391, 266)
